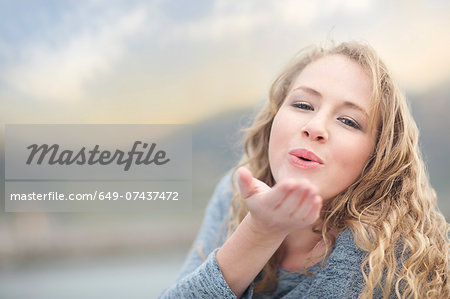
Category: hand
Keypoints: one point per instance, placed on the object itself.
(289, 205)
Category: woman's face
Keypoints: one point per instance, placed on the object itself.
(321, 132)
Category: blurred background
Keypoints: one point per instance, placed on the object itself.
(208, 63)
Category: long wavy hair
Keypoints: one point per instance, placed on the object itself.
(390, 208)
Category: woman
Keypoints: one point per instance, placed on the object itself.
(331, 199)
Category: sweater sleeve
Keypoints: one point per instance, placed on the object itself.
(200, 275)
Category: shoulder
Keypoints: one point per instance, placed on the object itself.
(342, 273)
(346, 240)
(346, 261)
(345, 249)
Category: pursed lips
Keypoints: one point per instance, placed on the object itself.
(304, 158)
(305, 155)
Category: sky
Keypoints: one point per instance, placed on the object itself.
(172, 61)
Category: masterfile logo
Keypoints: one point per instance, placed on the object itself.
(94, 156)
(97, 167)
(98, 152)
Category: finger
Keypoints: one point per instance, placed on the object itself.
(299, 190)
(304, 207)
(249, 185)
(314, 211)
(297, 201)
(280, 192)
(245, 181)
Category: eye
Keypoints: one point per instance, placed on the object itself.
(349, 122)
(303, 106)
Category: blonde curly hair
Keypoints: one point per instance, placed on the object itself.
(390, 208)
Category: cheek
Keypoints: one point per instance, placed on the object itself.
(356, 154)
(352, 158)
(282, 124)
(278, 138)
(273, 142)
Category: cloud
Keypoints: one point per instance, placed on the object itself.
(417, 47)
(60, 66)
(238, 19)
(47, 72)
(166, 61)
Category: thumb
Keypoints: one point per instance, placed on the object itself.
(245, 181)
(248, 185)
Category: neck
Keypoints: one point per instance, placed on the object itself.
(303, 248)
(301, 240)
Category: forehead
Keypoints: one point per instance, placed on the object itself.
(337, 77)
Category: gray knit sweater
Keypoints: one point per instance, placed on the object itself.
(201, 277)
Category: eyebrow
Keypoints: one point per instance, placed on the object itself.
(354, 106)
(345, 103)
(308, 90)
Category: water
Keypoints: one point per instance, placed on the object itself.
(128, 276)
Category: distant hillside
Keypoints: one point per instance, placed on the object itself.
(215, 149)
(431, 112)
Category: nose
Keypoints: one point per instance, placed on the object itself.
(315, 129)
